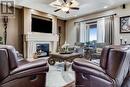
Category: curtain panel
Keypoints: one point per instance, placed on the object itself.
(101, 30)
(109, 30)
(83, 32)
(77, 27)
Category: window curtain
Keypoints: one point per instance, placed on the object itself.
(109, 30)
(83, 32)
(105, 30)
(101, 30)
(77, 27)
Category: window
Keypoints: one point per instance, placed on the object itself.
(93, 32)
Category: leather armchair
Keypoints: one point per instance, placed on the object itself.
(22, 73)
(112, 71)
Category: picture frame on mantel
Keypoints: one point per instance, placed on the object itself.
(125, 24)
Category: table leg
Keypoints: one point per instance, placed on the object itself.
(65, 66)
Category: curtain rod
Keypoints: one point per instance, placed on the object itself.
(95, 18)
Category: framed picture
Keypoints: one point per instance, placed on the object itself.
(125, 24)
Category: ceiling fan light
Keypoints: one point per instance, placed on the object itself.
(65, 5)
(65, 9)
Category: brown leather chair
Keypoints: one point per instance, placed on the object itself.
(22, 73)
(112, 71)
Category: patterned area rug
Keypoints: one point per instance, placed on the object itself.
(57, 77)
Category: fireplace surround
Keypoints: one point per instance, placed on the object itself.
(30, 38)
(31, 41)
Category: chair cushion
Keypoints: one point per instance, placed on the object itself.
(12, 56)
(114, 61)
(104, 57)
(4, 65)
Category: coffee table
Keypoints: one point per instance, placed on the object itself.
(57, 57)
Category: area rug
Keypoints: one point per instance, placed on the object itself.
(57, 77)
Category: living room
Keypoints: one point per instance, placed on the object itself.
(64, 43)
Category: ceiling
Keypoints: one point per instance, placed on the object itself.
(86, 6)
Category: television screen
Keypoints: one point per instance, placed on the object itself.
(41, 25)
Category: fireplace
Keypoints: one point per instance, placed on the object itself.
(42, 50)
(32, 40)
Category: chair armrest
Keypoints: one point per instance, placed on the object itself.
(25, 65)
(85, 63)
(26, 69)
(90, 71)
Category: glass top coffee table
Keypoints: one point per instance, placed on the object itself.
(58, 57)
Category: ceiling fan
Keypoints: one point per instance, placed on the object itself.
(65, 5)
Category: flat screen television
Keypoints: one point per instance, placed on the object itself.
(41, 25)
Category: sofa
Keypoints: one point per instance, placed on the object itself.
(21, 73)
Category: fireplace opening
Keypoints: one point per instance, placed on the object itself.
(42, 50)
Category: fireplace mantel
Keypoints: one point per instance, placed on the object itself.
(41, 37)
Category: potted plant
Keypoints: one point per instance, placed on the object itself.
(65, 47)
(1, 40)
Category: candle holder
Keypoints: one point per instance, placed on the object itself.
(121, 41)
(5, 22)
(125, 42)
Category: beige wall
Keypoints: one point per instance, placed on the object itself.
(61, 24)
(71, 31)
(14, 30)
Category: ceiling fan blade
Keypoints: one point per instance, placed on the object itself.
(70, 3)
(57, 5)
(74, 3)
(74, 8)
(57, 10)
(65, 1)
(67, 12)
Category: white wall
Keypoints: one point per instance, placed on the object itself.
(71, 31)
